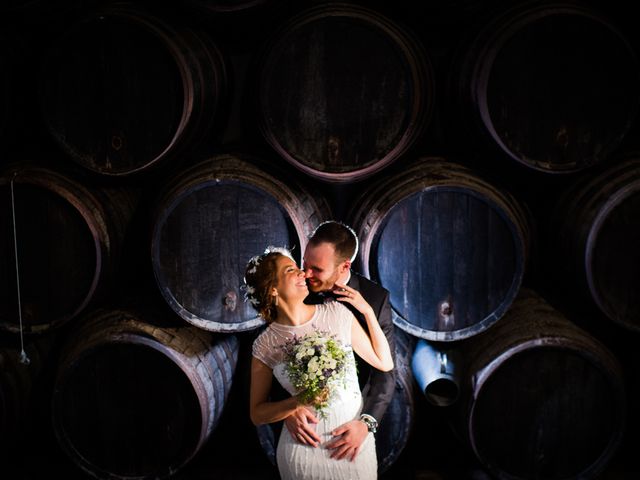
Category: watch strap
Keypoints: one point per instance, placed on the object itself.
(370, 422)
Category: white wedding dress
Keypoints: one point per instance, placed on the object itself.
(295, 460)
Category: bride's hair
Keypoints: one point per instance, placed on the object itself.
(260, 277)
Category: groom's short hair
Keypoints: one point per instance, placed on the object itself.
(341, 236)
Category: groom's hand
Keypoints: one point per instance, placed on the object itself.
(349, 439)
(301, 426)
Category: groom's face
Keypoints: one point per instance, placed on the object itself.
(320, 267)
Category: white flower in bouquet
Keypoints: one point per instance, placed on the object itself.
(315, 364)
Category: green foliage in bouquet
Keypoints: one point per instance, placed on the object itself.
(315, 364)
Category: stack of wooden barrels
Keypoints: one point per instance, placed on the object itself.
(482, 151)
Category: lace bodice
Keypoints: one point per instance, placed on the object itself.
(332, 317)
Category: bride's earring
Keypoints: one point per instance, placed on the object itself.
(276, 300)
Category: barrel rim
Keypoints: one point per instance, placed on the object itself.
(495, 38)
(242, 169)
(555, 342)
(144, 341)
(176, 305)
(510, 295)
(69, 192)
(617, 199)
(404, 40)
(210, 360)
(166, 36)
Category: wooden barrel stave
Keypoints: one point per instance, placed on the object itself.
(324, 115)
(70, 238)
(527, 80)
(595, 225)
(153, 393)
(430, 210)
(530, 383)
(122, 67)
(211, 220)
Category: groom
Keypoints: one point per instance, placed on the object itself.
(327, 260)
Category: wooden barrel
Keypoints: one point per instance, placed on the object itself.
(210, 221)
(555, 86)
(450, 247)
(69, 237)
(598, 235)
(396, 425)
(343, 92)
(151, 394)
(123, 91)
(543, 399)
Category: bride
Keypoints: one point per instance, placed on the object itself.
(276, 288)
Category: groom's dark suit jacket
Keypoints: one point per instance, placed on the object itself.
(377, 387)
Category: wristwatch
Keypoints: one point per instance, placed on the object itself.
(370, 422)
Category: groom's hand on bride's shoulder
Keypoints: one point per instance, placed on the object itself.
(348, 439)
(301, 426)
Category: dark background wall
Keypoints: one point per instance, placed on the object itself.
(40, 116)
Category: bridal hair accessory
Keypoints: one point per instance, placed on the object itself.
(252, 269)
(248, 295)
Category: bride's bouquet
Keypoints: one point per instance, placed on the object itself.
(315, 364)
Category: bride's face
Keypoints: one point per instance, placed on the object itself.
(291, 280)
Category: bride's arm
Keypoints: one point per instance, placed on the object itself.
(260, 409)
(374, 347)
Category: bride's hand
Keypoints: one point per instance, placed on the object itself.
(301, 426)
(319, 399)
(350, 295)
